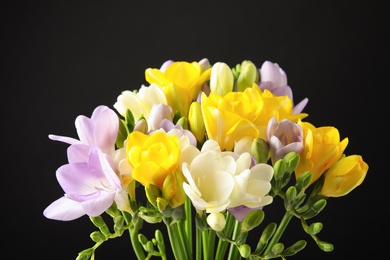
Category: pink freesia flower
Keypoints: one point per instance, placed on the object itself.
(90, 188)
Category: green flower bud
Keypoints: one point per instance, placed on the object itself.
(325, 246)
(86, 254)
(142, 239)
(221, 79)
(162, 204)
(292, 160)
(150, 215)
(119, 221)
(268, 232)
(295, 248)
(152, 193)
(315, 228)
(277, 248)
(304, 180)
(249, 74)
(245, 250)
(291, 194)
(183, 121)
(99, 222)
(252, 220)
(260, 150)
(314, 209)
(98, 237)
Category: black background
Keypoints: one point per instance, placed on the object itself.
(61, 59)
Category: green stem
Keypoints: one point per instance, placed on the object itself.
(211, 236)
(188, 223)
(198, 244)
(279, 231)
(222, 244)
(176, 241)
(133, 231)
(233, 252)
(205, 243)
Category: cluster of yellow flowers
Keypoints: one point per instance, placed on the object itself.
(220, 141)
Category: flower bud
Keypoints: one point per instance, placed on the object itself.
(172, 189)
(195, 121)
(141, 126)
(252, 220)
(157, 114)
(221, 79)
(260, 149)
(245, 250)
(248, 75)
(152, 193)
(345, 175)
(284, 137)
(216, 221)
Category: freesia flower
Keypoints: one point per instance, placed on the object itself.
(152, 157)
(100, 130)
(140, 102)
(90, 188)
(180, 81)
(322, 149)
(243, 114)
(231, 117)
(158, 113)
(274, 79)
(284, 137)
(344, 176)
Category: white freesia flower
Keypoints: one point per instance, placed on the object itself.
(251, 184)
(210, 179)
(141, 102)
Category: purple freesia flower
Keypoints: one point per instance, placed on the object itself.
(168, 125)
(100, 130)
(89, 180)
(90, 188)
(274, 79)
(284, 137)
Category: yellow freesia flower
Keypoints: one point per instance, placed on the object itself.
(230, 117)
(236, 115)
(344, 176)
(322, 149)
(180, 82)
(152, 157)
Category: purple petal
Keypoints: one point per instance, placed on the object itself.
(64, 139)
(300, 106)
(240, 212)
(96, 207)
(64, 209)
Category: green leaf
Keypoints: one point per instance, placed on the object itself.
(122, 134)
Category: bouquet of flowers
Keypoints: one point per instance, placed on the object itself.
(204, 149)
